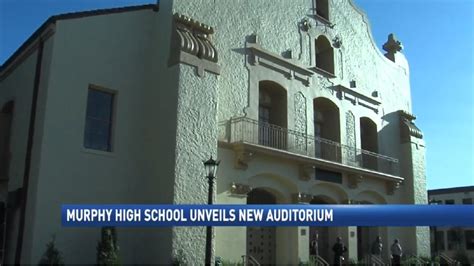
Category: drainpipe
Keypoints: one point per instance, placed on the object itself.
(29, 148)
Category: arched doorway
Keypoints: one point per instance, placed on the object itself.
(369, 142)
(272, 115)
(327, 130)
(261, 241)
(321, 235)
(366, 235)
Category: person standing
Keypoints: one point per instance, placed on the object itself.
(339, 250)
(313, 248)
(377, 247)
(396, 250)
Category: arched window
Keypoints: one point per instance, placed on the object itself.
(272, 115)
(327, 130)
(369, 142)
(324, 55)
(322, 9)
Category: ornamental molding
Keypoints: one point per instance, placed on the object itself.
(357, 98)
(300, 118)
(392, 186)
(289, 68)
(242, 157)
(351, 151)
(240, 190)
(191, 44)
(301, 198)
(307, 171)
(354, 180)
(408, 128)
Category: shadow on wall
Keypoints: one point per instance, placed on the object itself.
(390, 134)
(389, 140)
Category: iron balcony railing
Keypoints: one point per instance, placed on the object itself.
(254, 132)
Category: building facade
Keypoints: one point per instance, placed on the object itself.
(454, 242)
(123, 105)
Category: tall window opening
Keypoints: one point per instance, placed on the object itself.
(327, 130)
(6, 114)
(322, 9)
(272, 115)
(319, 236)
(99, 116)
(369, 142)
(324, 55)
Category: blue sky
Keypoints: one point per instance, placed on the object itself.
(438, 38)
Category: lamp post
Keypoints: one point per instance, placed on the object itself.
(211, 168)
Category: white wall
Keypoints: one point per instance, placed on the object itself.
(117, 52)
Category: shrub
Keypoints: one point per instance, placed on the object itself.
(52, 256)
(107, 248)
(230, 263)
(462, 258)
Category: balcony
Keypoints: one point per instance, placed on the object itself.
(320, 152)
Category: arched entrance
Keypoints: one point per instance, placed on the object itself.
(321, 236)
(261, 241)
(366, 235)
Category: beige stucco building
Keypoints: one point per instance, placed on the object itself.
(453, 242)
(123, 105)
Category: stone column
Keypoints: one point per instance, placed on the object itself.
(412, 168)
(194, 55)
(231, 242)
(303, 232)
(303, 243)
(349, 234)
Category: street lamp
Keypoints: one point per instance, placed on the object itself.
(211, 168)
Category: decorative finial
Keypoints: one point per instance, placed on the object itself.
(392, 46)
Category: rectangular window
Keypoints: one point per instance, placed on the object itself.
(98, 130)
(329, 176)
(467, 201)
(469, 235)
(449, 201)
(454, 239)
(439, 240)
